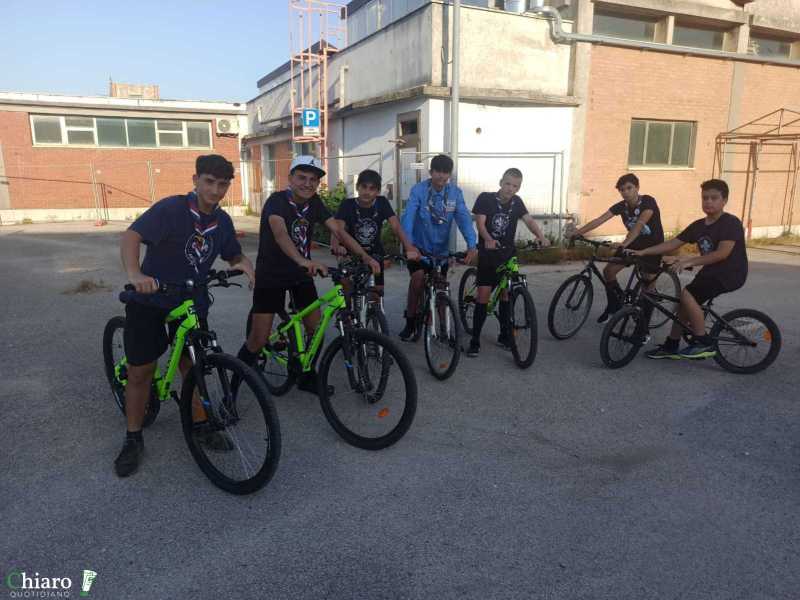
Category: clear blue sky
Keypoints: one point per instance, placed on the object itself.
(193, 49)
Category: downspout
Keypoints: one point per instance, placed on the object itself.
(565, 37)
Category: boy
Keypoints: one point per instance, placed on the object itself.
(284, 257)
(184, 235)
(432, 207)
(496, 214)
(363, 218)
(720, 240)
(642, 219)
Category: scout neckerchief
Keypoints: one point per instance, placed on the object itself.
(440, 218)
(303, 224)
(200, 230)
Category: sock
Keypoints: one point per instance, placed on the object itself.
(247, 357)
(671, 344)
(613, 296)
(478, 319)
(703, 340)
(135, 435)
(505, 315)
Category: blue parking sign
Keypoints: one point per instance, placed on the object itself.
(310, 120)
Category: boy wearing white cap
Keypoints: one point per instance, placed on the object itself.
(284, 256)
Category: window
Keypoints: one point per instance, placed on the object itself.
(46, 130)
(697, 37)
(769, 47)
(629, 28)
(118, 132)
(661, 143)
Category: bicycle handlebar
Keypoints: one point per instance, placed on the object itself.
(189, 285)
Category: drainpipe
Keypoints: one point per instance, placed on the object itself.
(455, 94)
(565, 37)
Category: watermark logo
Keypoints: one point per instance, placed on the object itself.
(88, 578)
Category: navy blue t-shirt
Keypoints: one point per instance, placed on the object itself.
(178, 250)
(365, 224)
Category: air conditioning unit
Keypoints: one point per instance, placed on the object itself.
(227, 126)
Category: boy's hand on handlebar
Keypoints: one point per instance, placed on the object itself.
(143, 283)
(339, 250)
(544, 242)
(314, 267)
(490, 244)
(413, 254)
(680, 264)
(374, 265)
(472, 254)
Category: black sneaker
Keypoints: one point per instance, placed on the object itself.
(698, 350)
(504, 341)
(474, 348)
(309, 382)
(216, 441)
(604, 316)
(129, 457)
(409, 331)
(663, 351)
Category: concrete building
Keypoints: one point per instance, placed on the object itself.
(81, 157)
(574, 93)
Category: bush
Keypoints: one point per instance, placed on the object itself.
(332, 198)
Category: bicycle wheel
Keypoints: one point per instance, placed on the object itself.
(622, 337)
(524, 331)
(443, 346)
(244, 422)
(467, 295)
(667, 284)
(376, 320)
(570, 306)
(747, 341)
(374, 397)
(274, 362)
(116, 369)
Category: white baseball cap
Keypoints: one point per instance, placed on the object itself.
(308, 161)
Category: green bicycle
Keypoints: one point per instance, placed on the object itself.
(523, 327)
(363, 397)
(232, 395)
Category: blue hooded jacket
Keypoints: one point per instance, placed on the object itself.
(429, 216)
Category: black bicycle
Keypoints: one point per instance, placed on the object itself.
(745, 340)
(572, 301)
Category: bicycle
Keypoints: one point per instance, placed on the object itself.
(241, 411)
(366, 406)
(436, 320)
(365, 300)
(733, 334)
(572, 301)
(523, 325)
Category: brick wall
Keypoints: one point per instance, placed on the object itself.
(626, 84)
(60, 177)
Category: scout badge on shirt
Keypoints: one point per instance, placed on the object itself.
(200, 245)
(366, 228)
(439, 216)
(299, 228)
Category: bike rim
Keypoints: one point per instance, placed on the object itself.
(572, 308)
(623, 338)
(441, 344)
(740, 354)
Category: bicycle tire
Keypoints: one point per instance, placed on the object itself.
(113, 352)
(230, 408)
(437, 368)
(578, 300)
(629, 321)
(376, 321)
(467, 294)
(523, 360)
(771, 334)
(271, 370)
(378, 409)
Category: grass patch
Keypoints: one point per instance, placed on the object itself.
(88, 286)
(788, 239)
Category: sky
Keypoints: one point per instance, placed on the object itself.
(193, 49)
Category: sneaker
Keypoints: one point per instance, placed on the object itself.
(504, 341)
(308, 382)
(474, 348)
(604, 316)
(663, 351)
(409, 331)
(216, 441)
(129, 457)
(698, 350)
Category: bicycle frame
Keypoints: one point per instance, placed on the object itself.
(331, 302)
(508, 270)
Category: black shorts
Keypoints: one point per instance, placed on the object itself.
(146, 336)
(271, 300)
(705, 288)
(488, 263)
(415, 265)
